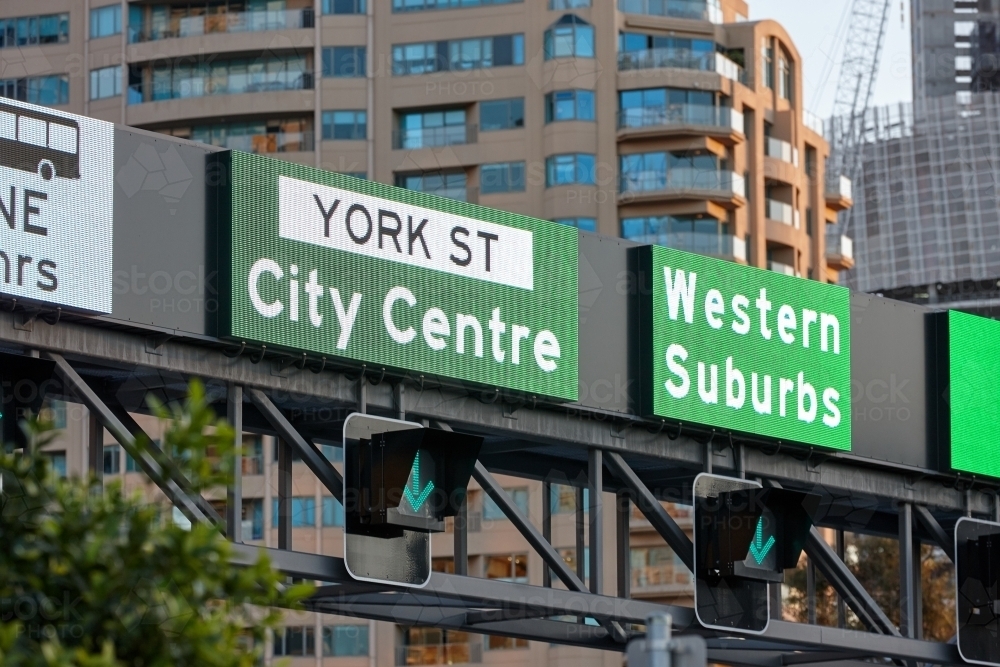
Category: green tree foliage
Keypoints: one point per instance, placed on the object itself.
(99, 578)
(875, 562)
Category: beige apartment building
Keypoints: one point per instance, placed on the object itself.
(675, 122)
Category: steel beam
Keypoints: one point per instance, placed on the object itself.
(944, 541)
(651, 508)
(320, 466)
(623, 555)
(170, 488)
(907, 573)
(284, 495)
(234, 494)
(596, 512)
(461, 535)
(580, 525)
(95, 446)
(547, 528)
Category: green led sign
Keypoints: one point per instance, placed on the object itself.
(744, 349)
(417, 496)
(758, 547)
(973, 394)
(348, 268)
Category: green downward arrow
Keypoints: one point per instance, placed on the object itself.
(416, 497)
(758, 549)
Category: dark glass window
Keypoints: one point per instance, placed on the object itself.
(501, 114)
(344, 61)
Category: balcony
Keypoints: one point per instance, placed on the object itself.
(207, 84)
(784, 269)
(813, 122)
(681, 9)
(839, 192)
(439, 654)
(839, 251)
(222, 23)
(781, 150)
(725, 246)
(783, 213)
(434, 137)
(680, 59)
(273, 142)
(682, 115)
(684, 180)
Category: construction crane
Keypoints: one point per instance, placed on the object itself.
(858, 71)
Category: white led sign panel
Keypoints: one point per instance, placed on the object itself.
(56, 213)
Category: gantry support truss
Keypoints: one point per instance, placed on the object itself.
(111, 372)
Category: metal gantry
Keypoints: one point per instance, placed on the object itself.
(110, 370)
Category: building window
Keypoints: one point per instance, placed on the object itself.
(501, 177)
(492, 511)
(660, 170)
(130, 463)
(105, 82)
(494, 643)
(427, 129)
(767, 63)
(345, 125)
(563, 500)
(299, 640)
(31, 30)
(569, 557)
(569, 169)
(569, 4)
(569, 37)
(569, 105)
(421, 5)
(253, 455)
(657, 566)
(512, 568)
(333, 453)
(105, 21)
(112, 459)
(253, 518)
(333, 512)
(341, 641)
(450, 184)
(501, 114)
(344, 61)
(345, 6)
(665, 104)
(57, 462)
(44, 90)
(583, 224)
(458, 55)
(303, 512)
(784, 78)
(639, 51)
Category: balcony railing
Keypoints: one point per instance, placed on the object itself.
(660, 576)
(225, 22)
(433, 137)
(683, 9)
(439, 654)
(703, 243)
(813, 122)
(778, 267)
(838, 244)
(681, 114)
(681, 59)
(782, 212)
(781, 150)
(683, 179)
(205, 85)
(839, 187)
(263, 144)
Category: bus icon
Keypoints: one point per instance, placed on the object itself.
(39, 142)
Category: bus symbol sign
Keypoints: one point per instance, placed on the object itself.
(39, 142)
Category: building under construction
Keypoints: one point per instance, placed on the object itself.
(925, 223)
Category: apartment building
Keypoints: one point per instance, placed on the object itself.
(668, 121)
(675, 122)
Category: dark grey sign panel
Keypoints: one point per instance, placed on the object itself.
(163, 274)
(609, 353)
(889, 381)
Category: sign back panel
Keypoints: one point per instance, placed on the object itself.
(745, 349)
(349, 268)
(56, 212)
